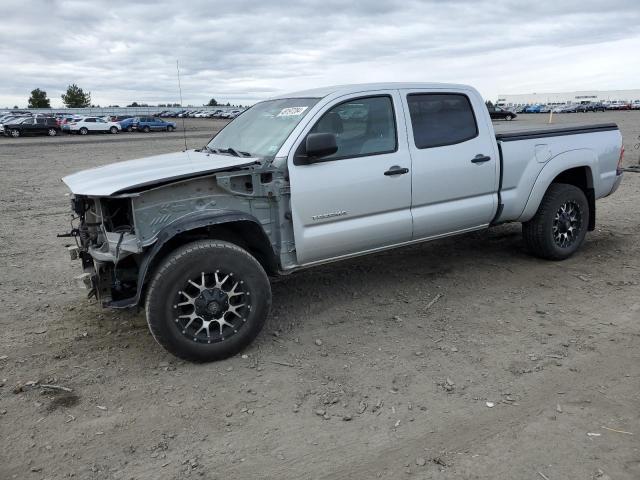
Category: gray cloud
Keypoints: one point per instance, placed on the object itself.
(245, 50)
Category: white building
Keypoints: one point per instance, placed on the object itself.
(564, 98)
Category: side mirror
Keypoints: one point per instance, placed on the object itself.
(321, 145)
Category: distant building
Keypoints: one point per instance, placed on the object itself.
(565, 98)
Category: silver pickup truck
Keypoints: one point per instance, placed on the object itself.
(319, 176)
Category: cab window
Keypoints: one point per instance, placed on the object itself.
(440, 119)
(362, 126)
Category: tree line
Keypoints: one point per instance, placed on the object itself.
(76, 97)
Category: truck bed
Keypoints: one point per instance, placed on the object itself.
(526, 150)
(510, 133)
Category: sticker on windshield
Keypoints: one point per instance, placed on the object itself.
(291, 111)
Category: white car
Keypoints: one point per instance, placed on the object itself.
(85, 125)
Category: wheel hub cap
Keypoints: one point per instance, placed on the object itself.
(567, 224)
(211, 302)
(212, 307)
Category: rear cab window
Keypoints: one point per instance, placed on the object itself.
(440, 119)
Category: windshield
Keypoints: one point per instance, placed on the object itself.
(261, 130)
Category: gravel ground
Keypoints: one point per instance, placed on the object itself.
(463, 358)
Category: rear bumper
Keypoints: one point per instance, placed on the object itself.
(616, 184)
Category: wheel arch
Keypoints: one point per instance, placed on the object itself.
(239, 228)
(576, 167)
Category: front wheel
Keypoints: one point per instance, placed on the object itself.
(15, 133)
(560, 225)
(207, 300)
(83, 131)
(146, 129)
(170, 128)
(113, 130)
(509, 117)
(52, 132)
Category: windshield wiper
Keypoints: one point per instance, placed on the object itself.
(233, 151)
(230, 150)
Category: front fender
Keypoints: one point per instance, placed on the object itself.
(187, 223)
(583, 157)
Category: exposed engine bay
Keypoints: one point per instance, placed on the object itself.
(117, 236)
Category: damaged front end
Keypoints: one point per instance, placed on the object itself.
(107, 246)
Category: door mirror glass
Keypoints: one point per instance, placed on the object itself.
(320, 145)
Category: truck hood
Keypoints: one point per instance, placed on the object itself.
(123, 176)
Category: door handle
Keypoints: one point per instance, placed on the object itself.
(396, 170)
(480, 158)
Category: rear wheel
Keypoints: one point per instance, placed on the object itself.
(146, 129)
(170, 128)
(113, 130)
(560, 225)
(52, 132)
(207, 300)
(15, 133)
(129, 129)
(83, 131)
(509, 117)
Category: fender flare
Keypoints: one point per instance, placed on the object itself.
(187, 223)
(583, 157)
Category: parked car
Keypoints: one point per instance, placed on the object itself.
(127, 124)
(499, 113)
(192, 235)
(569, 109)
(85, 125)
(532, 109)
(65, 123)
(635, 105)
(590, 107)
(119, 118)
(544, 109)
(147, 124)
(619, 105)
(32, 126)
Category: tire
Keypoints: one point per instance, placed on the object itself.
(113, 130)
(146, 129)
(52, 132)
(508, 117)
(129, 129)
(179, 289)
(548, 235)
(170, 128)
(83, 131)
(14, 133)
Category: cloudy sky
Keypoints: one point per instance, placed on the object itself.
(247, 50)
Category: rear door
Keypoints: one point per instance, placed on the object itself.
(41, 125)
(101, 125)
(29, 126)
(358, 199)
(90, 124)
(455, 162)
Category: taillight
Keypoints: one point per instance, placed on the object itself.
(619, 167)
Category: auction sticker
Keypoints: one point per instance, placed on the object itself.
(291, 111)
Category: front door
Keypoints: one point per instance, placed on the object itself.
(359, 198)
(455, 162)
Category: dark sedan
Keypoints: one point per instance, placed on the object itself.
(498, 113)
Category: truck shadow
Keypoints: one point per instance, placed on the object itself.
(413, 270)
(406, 274)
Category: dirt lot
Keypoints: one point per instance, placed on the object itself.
(459, 359)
